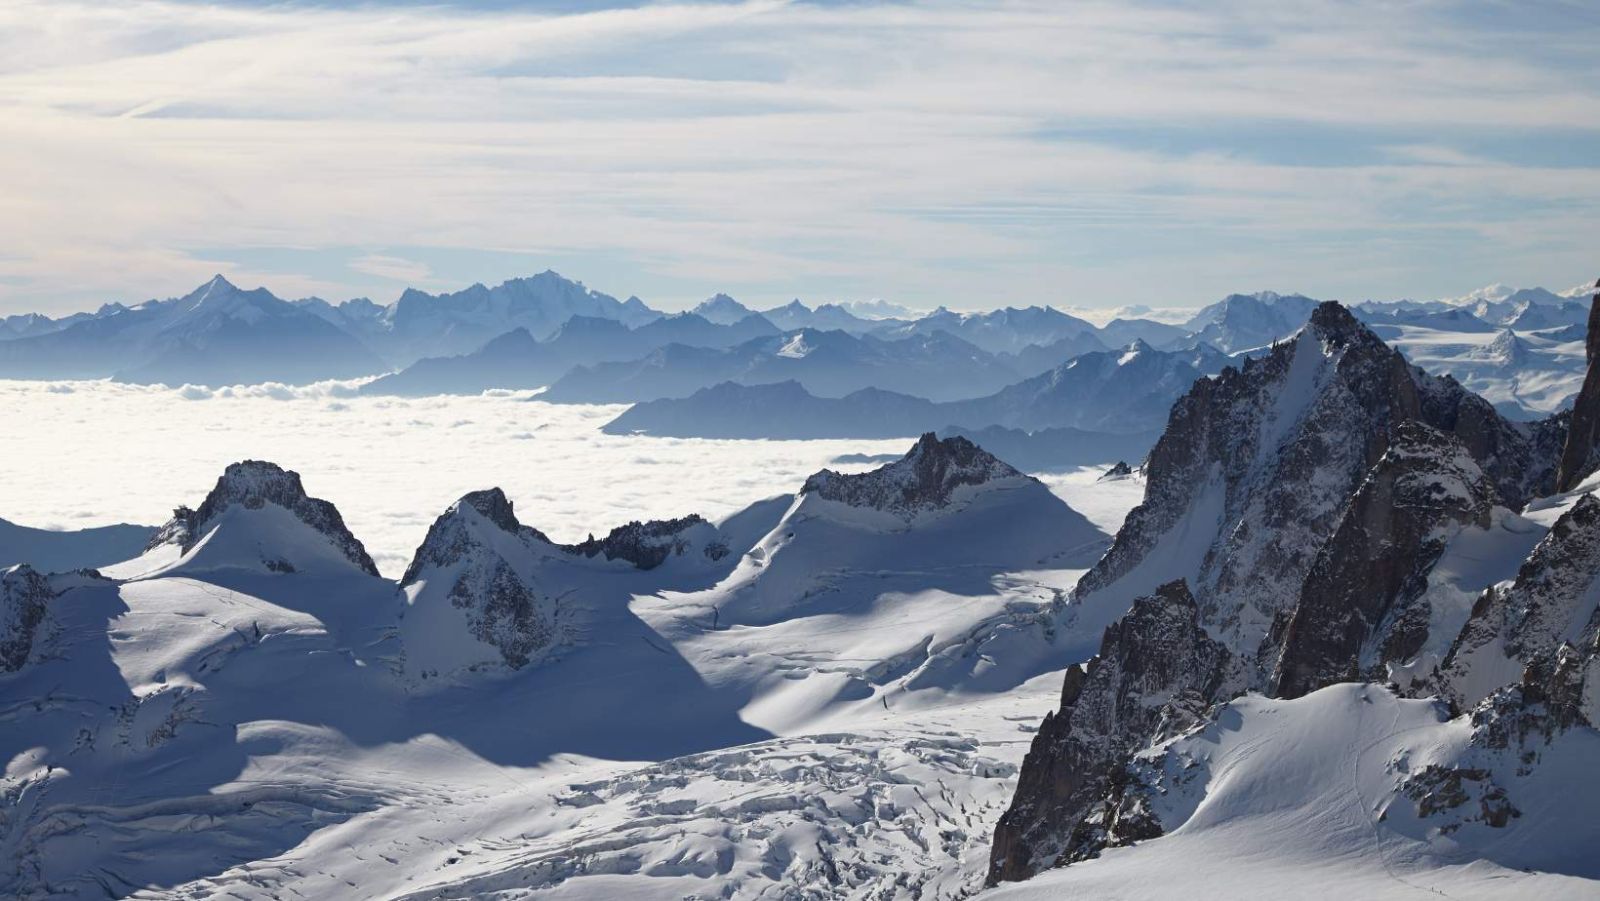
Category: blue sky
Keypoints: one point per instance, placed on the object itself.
(966, 154)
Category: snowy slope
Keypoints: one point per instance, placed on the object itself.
(243, 705)
(1309, 799)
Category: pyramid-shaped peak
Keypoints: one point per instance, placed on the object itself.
(456, 534)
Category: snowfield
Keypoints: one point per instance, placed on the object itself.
(1303, 799)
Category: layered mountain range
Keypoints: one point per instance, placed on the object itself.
(1352, 626)
(1520, 349)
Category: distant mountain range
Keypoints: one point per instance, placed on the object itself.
(1522, 349)
(1096, 407)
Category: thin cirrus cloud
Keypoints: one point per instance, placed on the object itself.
(965, 154)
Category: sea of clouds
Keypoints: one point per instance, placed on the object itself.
(81, 454)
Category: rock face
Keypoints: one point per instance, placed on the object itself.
(1549, 611)
(1294, 511)
(924, 479)
(252, 484)
(1155, 675)
(477, 561)
(25, 596)
(647, 545)
(1582, 452)
(1354, 612)
(1258, 464)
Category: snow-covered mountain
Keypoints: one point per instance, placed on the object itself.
(937, 366)
(1128, 391)
(835, 689)
(824, 317)
(721, 309)
(250, 678)
(1125, 390)
(1326, 514)
(517, 359)
(1007, 330)
(217, 334)
(1242, 322)
(419, 324)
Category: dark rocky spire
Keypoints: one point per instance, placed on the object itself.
(1582, 451)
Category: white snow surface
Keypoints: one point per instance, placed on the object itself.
(1300, 799)
(216, 726)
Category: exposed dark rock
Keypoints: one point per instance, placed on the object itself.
(1354, 613)
(1120, 471)
(1550, 603)
(1582, 452)
(251, 484)
(25, 595)
(503, 608)
(924, 479)
(449, 540)
(1305, 496)
(647, 545)
(1280, 445)
(1156, 674)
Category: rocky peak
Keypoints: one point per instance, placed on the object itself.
(1121, 470)
(1358, 608)
(1258, 464)
(1332, 322)
(455, 534)
(924, 479)
(251, 484)
(1582, 452)
(493, 505)
(647, 545)
(478, 566)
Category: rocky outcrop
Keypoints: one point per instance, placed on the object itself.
(251, 484)
(1582, 452)
(450, 539)
(924, 479)
(25, 595)
(1156, 674)
(482, 558)
(647, 545)
(1121, 470)
(1552, 603)
(1355, 610)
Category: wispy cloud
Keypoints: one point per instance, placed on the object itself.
(967, 154)
(397, 269)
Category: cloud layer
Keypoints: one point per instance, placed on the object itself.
(95, 453)
(970, 154)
